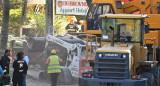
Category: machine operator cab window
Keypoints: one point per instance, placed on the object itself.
(125, 35)
(127, 27)
(93, 16)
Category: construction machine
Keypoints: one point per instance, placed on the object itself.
(122, 58)
(69, 48)
(149, 7)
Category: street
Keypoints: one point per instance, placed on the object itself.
(33, 79)
(32, 82)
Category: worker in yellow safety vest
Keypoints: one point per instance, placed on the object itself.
(53, 67)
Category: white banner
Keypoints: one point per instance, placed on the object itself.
(71, 7)
(36, 1)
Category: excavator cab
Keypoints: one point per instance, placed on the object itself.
(125, 30)
(93, 17)
(100, 7)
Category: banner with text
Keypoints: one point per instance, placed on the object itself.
(71, 7)
(36, 1)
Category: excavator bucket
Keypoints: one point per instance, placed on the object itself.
(34, 48)
(36, 44)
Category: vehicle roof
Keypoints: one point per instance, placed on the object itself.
(102, 1)
(125, 16)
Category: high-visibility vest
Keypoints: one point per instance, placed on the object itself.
(72, 30)
(54, 66)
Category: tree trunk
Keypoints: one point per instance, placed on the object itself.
(23, 16)
(49, 17)
(5, 24)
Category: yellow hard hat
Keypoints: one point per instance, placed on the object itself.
(53, 51)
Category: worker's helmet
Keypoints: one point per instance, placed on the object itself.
(53, 51)
(72, 21)
(81, 22)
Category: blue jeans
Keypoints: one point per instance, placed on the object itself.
(24, 80)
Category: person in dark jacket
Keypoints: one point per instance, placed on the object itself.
(20, 69)
(1, 74)
(5, 61)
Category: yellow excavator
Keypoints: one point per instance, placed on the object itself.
(122, 59)
(149, 7)
(129, 43)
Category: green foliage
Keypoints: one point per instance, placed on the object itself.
(39, 24)
(15, 15)
(60, 23)
(34, 19)
(15, 4)
(30, 16)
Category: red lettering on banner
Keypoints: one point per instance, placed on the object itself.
(73, 3)
(84, 4)
(79, 3)
(64, 3)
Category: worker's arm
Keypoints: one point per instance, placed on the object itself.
(14, 58)
(60, 60)
(10, 58)
(46, 65)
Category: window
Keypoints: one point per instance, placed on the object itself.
(93, 16)
(125, 30)
(106, 9)
(98, 9)
(118, 4)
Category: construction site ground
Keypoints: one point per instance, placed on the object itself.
(34, 80)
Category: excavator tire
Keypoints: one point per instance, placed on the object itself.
(65, 76)
(159, 75)
(155, 72)
(150, 78)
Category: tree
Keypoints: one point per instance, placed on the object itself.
(5, 20)
(5, 23)
(18, 12)
(39, 24)
(24, 11)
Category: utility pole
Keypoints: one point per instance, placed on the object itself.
(49, 17)
(49, 22)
